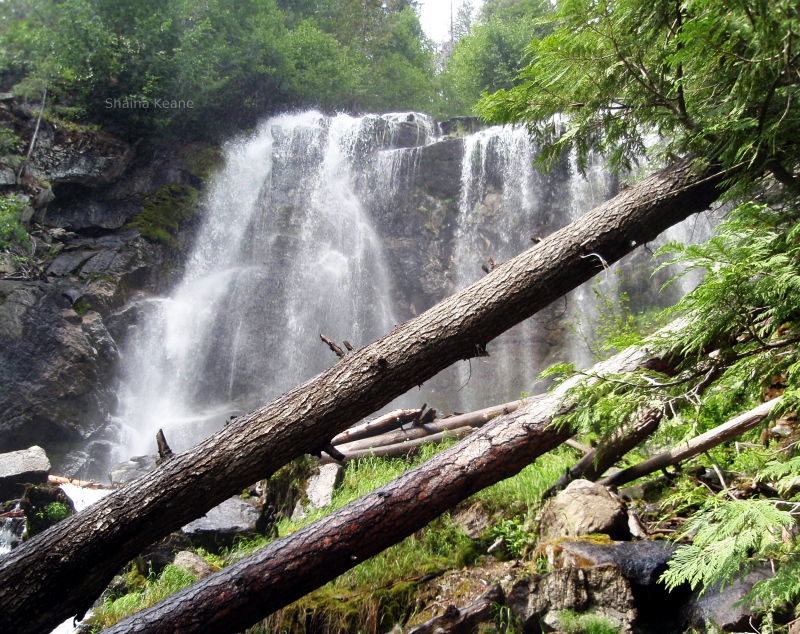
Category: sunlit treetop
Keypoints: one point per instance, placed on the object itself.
(719, 79)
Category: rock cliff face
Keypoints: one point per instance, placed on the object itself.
(63, 306)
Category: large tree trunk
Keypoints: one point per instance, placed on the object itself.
(286, 569)
(61, 571)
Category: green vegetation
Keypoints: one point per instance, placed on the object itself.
(54, 512)
(150, 592)
(164, 210)
(15, 243)
(204, 70)
(384, 589)
(721, 85)
(587, 623)
(490, 53)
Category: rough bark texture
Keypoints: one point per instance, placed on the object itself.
(697, 445)
(66, 567)
(288, 568)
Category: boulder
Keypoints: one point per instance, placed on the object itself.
(322, 484)
(723, 608)
(602, 590)
(584, 508)
(194, 564)
(18, 468)
(219, 527)
(641, 563)
(319, 489)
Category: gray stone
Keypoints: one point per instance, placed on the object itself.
(322, 484)
(602, 590)
(17, 468)
(194, 564)
(7, 176)
(222, 524)
(584, 508)
(724, 608)
(68, 261)
(473, 521)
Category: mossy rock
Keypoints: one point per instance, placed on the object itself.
(163, 212)
(45, 506)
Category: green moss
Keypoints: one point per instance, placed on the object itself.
(81, 306)
(163, 212)
(200, 160)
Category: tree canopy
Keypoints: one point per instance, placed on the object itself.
(717, 79)
(235, 62)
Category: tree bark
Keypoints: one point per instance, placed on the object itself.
(386, 423)
(66, 567)
(597, 461)
(697, 445)
(286, 569)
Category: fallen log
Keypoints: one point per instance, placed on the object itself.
(472, 419)
(386, 423)
(238, 596)
(697, 445)
(67, 566)
(85, 484)
(401, 448)
(599, 459)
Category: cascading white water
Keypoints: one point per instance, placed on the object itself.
(12, 529)
(306, 231)
(505, 204)
(286, 252)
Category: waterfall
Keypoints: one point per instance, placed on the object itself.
(347, 226)
(286, 251)
(12, 528)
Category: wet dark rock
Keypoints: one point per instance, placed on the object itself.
(18, 468)
(157, 556)
(92, 214)
(409, 134)
(724, 609)
(641, 563)
(460, 126)
(439, 168)
(602, 590)
(56, 365)
(68, 262)
(88, 158)
(225, 522)
(132, 469)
